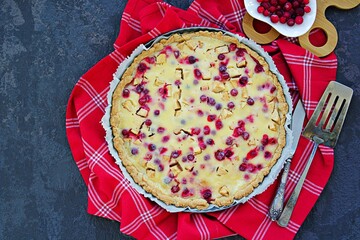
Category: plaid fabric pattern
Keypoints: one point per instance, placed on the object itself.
(109, 193)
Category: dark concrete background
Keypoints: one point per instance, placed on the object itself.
(45, 46)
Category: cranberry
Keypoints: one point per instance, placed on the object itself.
(185, 193)
(126, 93)
(295, 4)
(243, 167)
(203, 98)
(251, 168)
(265, 4)
(206, 130)
(260, 9)
(291, 22)
(175, 154)
(228, 153)
(218, 124)
(267, 154)
(142, 100)
(148, 122)
(160, 130)
(251, 154)
(240, 52)
(190, 157)
(243, 81)
(202, 145)
(165, 139)
(211, 117)
(139, 88)
(266, 13)
(192, 59)
(222, 69)
(221, 56)
(134, 151)
(206, 194)
(241, 123)
(142, 67)
(142, 136)
(231, 105)
(177, 82)
(234, 92)
(148, 156)
(287, 6)
(272, 89)
(195, 131)
(307, 9)
(229, 141)
(125, 133)
(210, 141)
(279, 13)
(299, 20)
(274, 18)
(218, 106)
(162, 150)
(219, 155)
(207, 157)
(245, 135)
(225, 76)
(238, 131)
(157, 112)
(151, 147)
(273, 2)
(265, 140)
(200, 113)
(176, 53)
(300, 12)
(283, 19)
(211, 101)
(175, 189)
(161, 167)
(197, 73)
(232, 46)
(272, 141)
(250, 101)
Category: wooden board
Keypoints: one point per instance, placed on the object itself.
(320, 23)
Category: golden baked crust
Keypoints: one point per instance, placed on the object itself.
(199, 118)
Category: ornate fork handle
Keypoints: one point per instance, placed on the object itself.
(278, 202)
(285, 216)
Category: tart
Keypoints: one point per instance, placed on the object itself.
(198, 118)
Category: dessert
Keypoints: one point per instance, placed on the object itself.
(198, 118)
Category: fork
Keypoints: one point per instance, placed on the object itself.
(324, 128)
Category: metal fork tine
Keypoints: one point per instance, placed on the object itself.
(335, 112)
(328, 108)
(341, 120)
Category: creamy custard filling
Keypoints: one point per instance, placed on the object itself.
(198, 119)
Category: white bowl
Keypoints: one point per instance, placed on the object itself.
(293, 31)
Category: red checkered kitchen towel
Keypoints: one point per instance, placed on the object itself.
(109, 193)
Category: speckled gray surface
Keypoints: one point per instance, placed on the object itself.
(46, 45)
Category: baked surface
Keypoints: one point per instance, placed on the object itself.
(199, 118)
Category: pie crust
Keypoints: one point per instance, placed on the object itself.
(199, 118)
